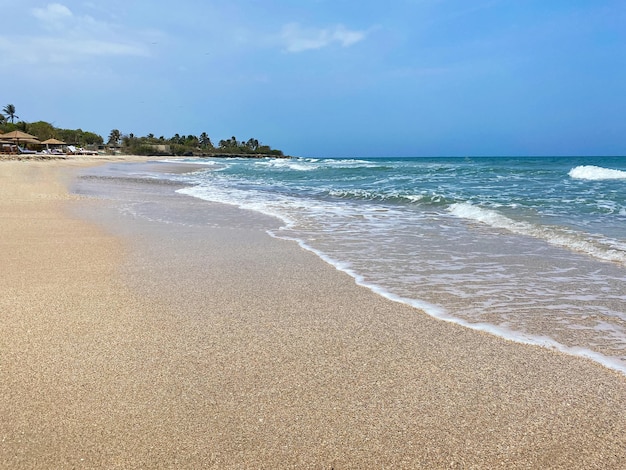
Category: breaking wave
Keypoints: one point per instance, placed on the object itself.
(596, 173)
(600, 248)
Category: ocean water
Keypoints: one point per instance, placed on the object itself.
(530, 249)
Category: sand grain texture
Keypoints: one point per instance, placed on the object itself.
(216, 346)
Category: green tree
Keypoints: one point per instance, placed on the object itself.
(69, 136)
(128, 140)
(91, 138)
(191, 141)
(229, 145)
(252, 144)
(267, 150)
(114, 137)
(42, 130)
(9, 112)
(205, 141)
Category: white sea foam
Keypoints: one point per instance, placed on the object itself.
(362, 227)
(242, 199)
(195, 161)
(600, 248)
(596, 173)
(368, 194)
(348, 162)
(296, 165)
(441, 314)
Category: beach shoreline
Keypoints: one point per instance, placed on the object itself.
(206, 343)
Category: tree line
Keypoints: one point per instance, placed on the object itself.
(179, 144)
(44, 130)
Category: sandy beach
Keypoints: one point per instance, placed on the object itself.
(130, 343)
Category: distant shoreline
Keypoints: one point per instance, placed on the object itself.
(72, 158)
(104, 157)
(232, 155)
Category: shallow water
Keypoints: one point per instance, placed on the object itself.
(532, 249)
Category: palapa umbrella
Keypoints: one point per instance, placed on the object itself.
(16, 136)
(52, 142)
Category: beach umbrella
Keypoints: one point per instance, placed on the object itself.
(53, 142)
(17, 136)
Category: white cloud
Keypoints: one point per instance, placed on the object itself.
(66, 37)
(54, 15)
(297, 39)
(41, 50)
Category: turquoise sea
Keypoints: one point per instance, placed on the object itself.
(530, 249)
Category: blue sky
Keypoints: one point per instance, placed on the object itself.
(328, 77)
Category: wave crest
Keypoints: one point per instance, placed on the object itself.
(599, 248)
(596, 173)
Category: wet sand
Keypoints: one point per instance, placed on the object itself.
(202, 342)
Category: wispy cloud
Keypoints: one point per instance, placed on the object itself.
(32, 51)
(65, 37)
(54, 14)
(297, 38)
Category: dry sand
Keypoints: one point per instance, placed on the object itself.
(216, 346)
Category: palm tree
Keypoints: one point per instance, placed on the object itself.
(205, 140)
(114, 137)
(252, 144)
(9, 111)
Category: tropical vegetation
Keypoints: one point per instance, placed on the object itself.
(9, 112)
(179, 144)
